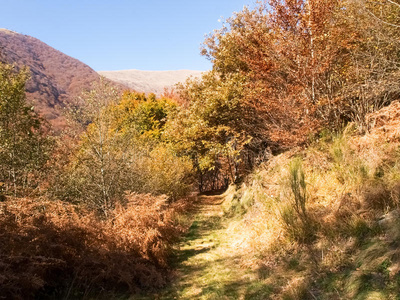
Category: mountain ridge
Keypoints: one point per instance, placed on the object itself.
(150, 81)
(54, 76)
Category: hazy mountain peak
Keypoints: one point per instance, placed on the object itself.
(7, 30)
(149, 81)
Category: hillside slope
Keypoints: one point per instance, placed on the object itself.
(149, 81)
(55, 76)
(336, 234)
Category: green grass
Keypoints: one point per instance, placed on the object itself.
(207, 265)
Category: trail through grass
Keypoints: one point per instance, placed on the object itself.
(208, 267)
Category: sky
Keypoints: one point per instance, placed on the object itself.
(122, 34)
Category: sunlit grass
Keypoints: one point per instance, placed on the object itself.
(209, 265)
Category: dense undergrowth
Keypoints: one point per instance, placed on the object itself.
(51, 249)
(334, 233)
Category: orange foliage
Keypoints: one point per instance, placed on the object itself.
(294, 55)
(171, 93)
(50, 248)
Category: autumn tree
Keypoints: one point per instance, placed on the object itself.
(285, 51)
(157, 167)
(144, 115)
(213, 128)
(24, 146)
(311, 63)
(95, 174)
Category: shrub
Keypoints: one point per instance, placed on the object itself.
(295, 216)
(298, 187)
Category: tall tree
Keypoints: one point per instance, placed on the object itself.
(97, 170)
(282, 50)
(23, 143)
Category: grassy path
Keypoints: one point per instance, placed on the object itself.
(208, 266)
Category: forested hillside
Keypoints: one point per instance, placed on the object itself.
(298, 119)
(54, 76)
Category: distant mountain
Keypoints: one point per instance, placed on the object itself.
(55, 76)
(149, 81)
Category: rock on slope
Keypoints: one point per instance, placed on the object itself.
(149, 81)
(55, 76)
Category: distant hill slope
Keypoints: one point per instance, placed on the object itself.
(55, 76)
(149, 81)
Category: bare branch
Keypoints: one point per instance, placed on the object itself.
(394, 3)
(379, 19)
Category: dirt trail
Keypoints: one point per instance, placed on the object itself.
(207, 265)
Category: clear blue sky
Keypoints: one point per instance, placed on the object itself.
(122, 34)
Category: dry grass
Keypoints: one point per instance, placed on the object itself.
(53, 249)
